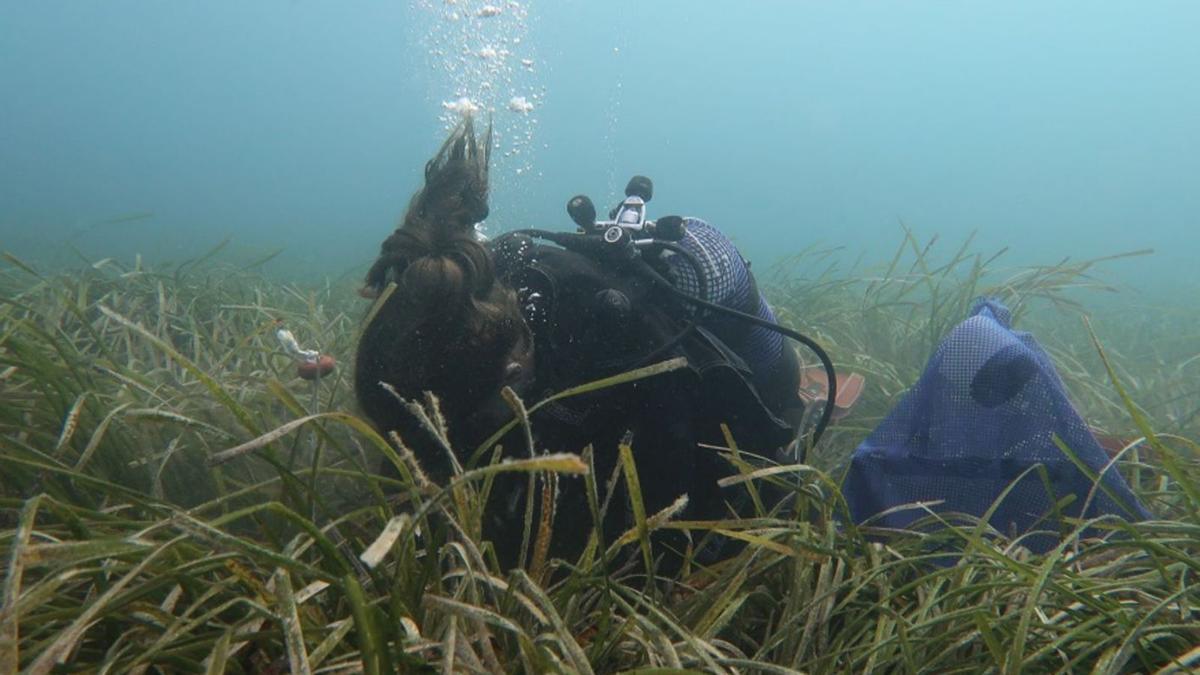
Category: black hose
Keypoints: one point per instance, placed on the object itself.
(830, 373)
(592, 245)
(701, 278)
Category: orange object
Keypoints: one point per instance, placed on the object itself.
(311, 370)
(1114, 444)
(814, 386)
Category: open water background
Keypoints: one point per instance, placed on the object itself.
(1054, 128)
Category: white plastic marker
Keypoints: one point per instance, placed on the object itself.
(311, 364)
(291, 346)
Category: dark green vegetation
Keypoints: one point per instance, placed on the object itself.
(130, 550)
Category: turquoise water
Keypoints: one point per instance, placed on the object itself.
(1055, 128)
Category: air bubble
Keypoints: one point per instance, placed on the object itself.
(519, 104)
(481, 52)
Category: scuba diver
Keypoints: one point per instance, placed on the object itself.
(539, 312)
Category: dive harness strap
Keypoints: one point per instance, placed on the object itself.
(625, 252)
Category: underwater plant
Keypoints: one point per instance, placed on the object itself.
(469, 330)
(172, 501)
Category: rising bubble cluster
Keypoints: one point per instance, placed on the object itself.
(484, 64)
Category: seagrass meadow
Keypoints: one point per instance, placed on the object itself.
(174, 499)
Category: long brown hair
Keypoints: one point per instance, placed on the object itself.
(450, 324)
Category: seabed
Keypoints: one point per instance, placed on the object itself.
(174, 498)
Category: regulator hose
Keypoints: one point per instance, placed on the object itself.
(826, 363)
(592, 245)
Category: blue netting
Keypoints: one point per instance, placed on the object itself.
(729, 285)
(986, 409)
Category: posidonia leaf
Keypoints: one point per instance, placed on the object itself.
(801, 591)
(560, 462)
(284, 429)
(624, 378)
(374, 553)
(76, 552)
(57, 651)
(209, 383)
(293, 633)
(9, 614)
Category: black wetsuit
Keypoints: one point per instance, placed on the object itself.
(591, 319)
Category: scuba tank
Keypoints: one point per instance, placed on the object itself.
(642, 246)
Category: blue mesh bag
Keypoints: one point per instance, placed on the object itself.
(729, 284)
(986, 409)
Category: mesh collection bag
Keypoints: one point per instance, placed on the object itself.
(729, 283)
(987, 408)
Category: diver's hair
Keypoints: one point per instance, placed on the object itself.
(440, 267)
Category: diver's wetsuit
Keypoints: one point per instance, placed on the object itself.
(593, 316)
(545, 279)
